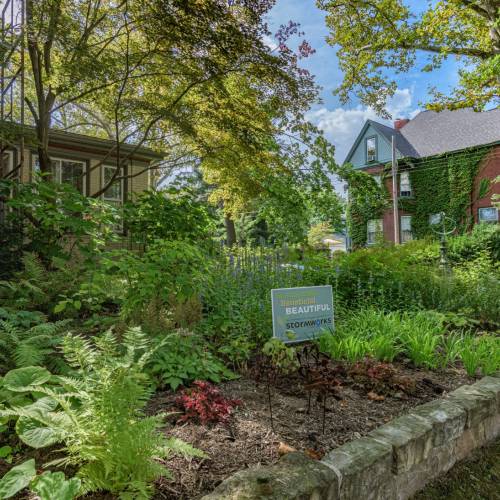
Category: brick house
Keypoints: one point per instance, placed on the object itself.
(85, 162)
(429, 141)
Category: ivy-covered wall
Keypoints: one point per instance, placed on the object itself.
(443, 183)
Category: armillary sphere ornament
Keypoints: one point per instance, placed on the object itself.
(443, 226)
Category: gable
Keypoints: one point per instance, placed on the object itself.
(357, 154)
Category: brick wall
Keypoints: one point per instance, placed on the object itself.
(489, 169)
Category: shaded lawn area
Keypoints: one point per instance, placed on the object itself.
(475, 478)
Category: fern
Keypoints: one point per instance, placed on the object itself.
(20, 346)
(98, 414)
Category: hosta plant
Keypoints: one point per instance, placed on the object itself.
(47, 486)
(97, 414)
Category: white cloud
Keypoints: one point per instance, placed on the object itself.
(341, 126)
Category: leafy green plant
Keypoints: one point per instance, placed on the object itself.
(282, 357)
(183, 359)
(420, 337)
(21, 346)
(47, 486)
(480, 354)
(98, 413)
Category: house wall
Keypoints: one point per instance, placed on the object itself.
(134, 185)
(358, 158)
(489, 169)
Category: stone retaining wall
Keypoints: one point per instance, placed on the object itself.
(392, 462)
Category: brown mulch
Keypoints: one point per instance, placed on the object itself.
(249, 440)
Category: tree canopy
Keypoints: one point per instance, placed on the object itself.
(380, 38)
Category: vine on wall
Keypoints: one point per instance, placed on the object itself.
(443, 183)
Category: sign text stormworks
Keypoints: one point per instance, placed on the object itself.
(301, 313)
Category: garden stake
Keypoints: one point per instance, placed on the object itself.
(269, 401)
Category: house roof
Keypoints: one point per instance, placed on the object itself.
(85, 143)
(402, 144)
(431, 133)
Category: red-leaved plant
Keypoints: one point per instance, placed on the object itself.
(204, 403)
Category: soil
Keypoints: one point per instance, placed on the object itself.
(249, 439)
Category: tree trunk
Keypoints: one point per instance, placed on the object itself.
(230, 230)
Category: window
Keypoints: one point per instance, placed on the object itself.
(374, 228)
(488, 214)
(404, 184)
(371, 149)
(406, 234)
(6, 163)
(378, 180)
(114, 194)
(66, 171)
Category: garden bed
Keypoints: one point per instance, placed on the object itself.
(248, 439)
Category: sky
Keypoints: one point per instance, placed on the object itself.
(342, 123)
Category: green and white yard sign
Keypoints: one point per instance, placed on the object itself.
(301, 313)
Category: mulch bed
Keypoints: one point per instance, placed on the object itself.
(249, 439)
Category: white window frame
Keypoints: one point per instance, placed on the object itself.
(405, 176)
(105, 195)
(10, 164)
(378, 179)
(58, 171)
(370, 159)
(379, 230)
(407, 231)
(487, 221)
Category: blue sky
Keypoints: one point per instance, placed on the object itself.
(341, 123)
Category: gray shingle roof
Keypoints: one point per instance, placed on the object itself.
(402, 145)
(431, 133)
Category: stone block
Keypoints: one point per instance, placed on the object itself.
(410, 438)
(478, 403)
(364, 466)
(294, 477)
(447, 419)
(492, 386)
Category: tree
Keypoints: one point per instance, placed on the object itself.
(159, 73)
(378, 38)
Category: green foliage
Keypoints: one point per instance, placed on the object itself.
(385, 37)
(52, 485)
(367, 200)
(168, 272)
(98, 413)
(443, 183)
(282, 357)
(182, 359)
(21, 346)
(47, 486)
(480, 354)
(56, 220)
(168, 215)
(18, 478)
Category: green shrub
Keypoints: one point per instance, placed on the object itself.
(182, 359)
(480, 354)
(169, 215)
(421, 335)
(98, 414)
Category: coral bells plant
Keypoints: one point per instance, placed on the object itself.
(205, 403)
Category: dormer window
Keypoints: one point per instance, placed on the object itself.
(371, 149)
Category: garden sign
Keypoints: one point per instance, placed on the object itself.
(301, 313)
